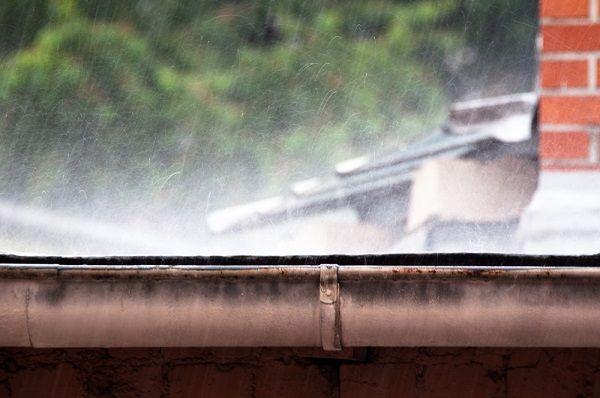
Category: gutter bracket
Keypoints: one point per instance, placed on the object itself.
(329, 297)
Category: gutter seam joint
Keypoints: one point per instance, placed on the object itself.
(329, 308)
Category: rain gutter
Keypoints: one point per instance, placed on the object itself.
(330, 301)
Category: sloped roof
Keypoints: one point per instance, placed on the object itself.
(479, 128)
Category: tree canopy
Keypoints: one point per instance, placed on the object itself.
(171, 101)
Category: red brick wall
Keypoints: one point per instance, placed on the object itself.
(570, 84)
(281, 373)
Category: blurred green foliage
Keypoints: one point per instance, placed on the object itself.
(166, 100)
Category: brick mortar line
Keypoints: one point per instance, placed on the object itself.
(594, 10)
(572, 21)
(568, 162)
(592, 72)
(571, 92)
(570, 168)
(594, 146)
(566, 128)
(569, 56)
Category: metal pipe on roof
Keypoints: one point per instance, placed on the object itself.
(304, 306)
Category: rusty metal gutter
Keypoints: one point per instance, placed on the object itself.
(306, 302)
